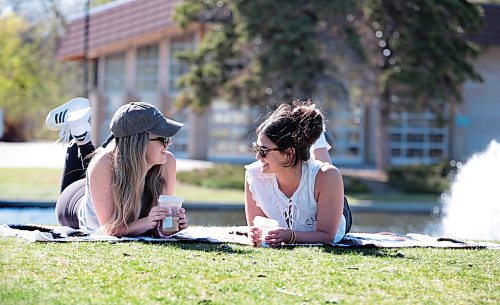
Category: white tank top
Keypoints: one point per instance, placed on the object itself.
(86, 214)
(300, 210)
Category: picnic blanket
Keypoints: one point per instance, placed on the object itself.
(236, 235)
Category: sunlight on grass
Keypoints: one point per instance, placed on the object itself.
(43, 184)
(195, 273)
(193, 193)
(30, 183)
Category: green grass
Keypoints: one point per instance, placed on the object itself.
(30, 183)
(194, 193)
(136, 273)
(43, 184)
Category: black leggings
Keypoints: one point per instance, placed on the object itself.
(73, 184)
(347, 215)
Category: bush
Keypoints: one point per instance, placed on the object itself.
(353, 185)
(231, 176)
(432, 179)
(228, 176)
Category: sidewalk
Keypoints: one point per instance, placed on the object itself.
(52, 155)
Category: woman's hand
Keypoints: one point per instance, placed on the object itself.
(183, 222)
(150, 222)
(255, 236)
(276, 237)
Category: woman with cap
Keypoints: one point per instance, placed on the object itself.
(116, 191)
(303, 196)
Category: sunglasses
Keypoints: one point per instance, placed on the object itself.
(165, 140)
(263, 150)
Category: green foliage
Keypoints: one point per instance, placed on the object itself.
(31, 79)
(420, 52)
(194, 273)
(432, 179)
(257, 52)
(17, 67)
(220, 176)
(266, 51)
(353, 185)
(426, 49)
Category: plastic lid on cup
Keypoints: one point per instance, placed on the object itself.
(264, 222)
(170, 201)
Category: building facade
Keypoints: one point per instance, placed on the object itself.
(131, 51)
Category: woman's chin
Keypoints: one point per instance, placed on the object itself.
(160, 161)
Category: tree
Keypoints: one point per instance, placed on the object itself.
(259, 52)
(31, 79)
(272, 51)
(421, 52)
(18, 75)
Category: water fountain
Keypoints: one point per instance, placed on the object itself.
(472, 205)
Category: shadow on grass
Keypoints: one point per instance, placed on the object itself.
(210, 247)
(377, 252)
(242, 249)
(366, 251)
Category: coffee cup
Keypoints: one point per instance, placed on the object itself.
(173, 203)
(265, 225)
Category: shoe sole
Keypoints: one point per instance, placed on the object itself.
(57, 118)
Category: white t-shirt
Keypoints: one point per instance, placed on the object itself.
(300, 210)
(320, 143)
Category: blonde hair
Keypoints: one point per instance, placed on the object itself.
(135, 189)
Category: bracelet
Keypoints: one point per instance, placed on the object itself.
(292, 238)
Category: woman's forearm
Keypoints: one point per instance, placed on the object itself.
(134, 229)
(313, 237)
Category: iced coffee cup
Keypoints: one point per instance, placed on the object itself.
(265, 225)
(170, 223)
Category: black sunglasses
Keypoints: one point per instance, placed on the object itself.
(263, 150)
(165, 140)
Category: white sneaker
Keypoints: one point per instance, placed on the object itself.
(57, 118)
(79, 125)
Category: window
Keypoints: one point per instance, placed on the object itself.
(114, 89)
(177, 68)
(181, 139)
(345, 124)
(114, 73)
(231, 131)
(417, 138)
(146, 79)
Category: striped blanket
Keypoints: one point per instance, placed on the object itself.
(236, 235)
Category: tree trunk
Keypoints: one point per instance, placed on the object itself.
(383, 137)
(198, 136)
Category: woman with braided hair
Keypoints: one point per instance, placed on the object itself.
(304, 196)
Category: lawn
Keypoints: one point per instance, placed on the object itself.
(43, 184)
(138, 273)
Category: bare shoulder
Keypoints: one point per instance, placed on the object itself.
(171, 164)
(101, 162)
(328, 169)
(328, 174)
(171, 157)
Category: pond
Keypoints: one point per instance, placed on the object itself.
(366, 222)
